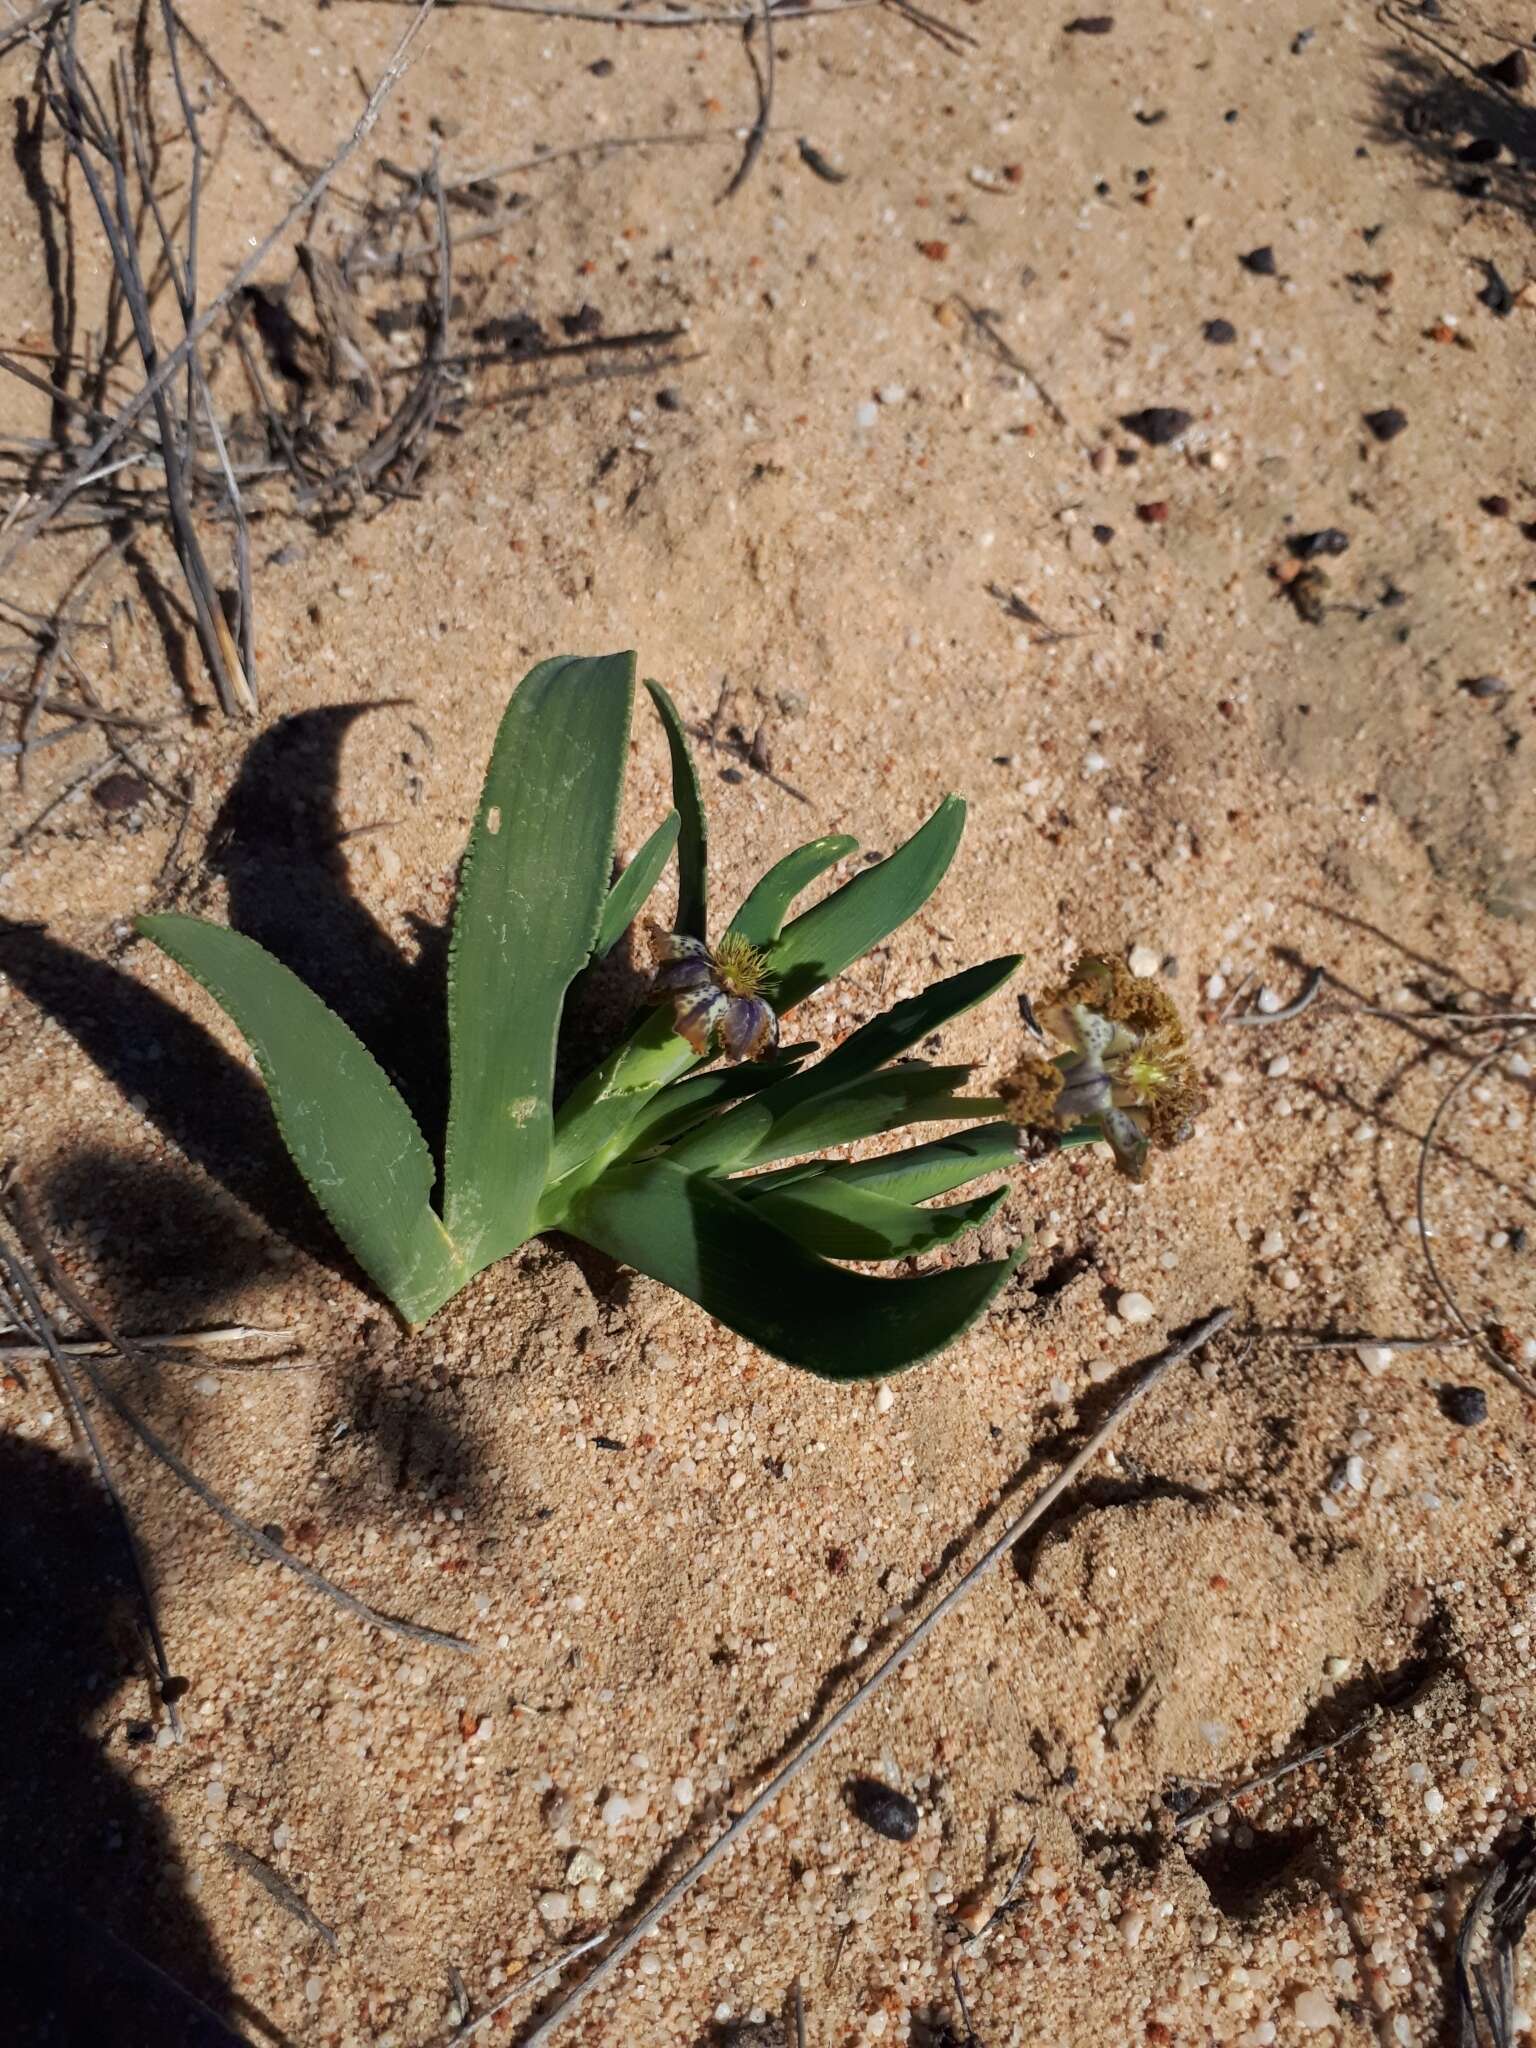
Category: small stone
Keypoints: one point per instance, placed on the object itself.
(601, 68)
(1219, 333)
(1134, 1308)
(682, 1791)
(1273, 1245)
(1328, 540)
(1144, 961)
(1374, 1357)
(1496, 506)
(206, 1384)
(1158, 425)
(1512, 72)
(888, 1812)
(1354, 1473)
(1336, 1667)
(1103, 534)
(1465, 1406)
(1484, 686)
(885, 1400)
(669, 399)
(891, 394)
(1269, 1000)
(583, 1868)
(1314, 2010)
(1215, 988)
(1132, 1925)
(1090, 25)
(1260, 261)
(615, 1810)
(866, 413)
(1388, 423)
(120, 792)
(555, 1908)
(1434, 1800)
(1279, 1066)
(1153, 514)
(1482, 149)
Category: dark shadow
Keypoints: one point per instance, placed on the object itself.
(210, 1107)
(190, 1249)
(1240, 1879)
(279, 842)
(99, 1939)
(173, 621)
(1471, 135)
(58, 257)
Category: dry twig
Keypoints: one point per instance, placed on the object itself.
(1155, 1370)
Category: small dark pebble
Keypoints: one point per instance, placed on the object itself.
(120, 792)
(1496, 294)
(273, 1531)
(1392, 597)
(586, 320)
(813, 160)
(1103, 535)
(1146, 120)
(1482, 149)
(1328, 540)
(1496, 507)
(1513, 71)
(732, 775)
(1154, 514)
(1300, 40)
(1485, 686)
(1230, 116)
(1478, 186)
(1517, 1239)
(1126, 457)
(1180, 1798)
(889, 1813)
(1260, 261)
(137, 1733)
(1091, 25)
(1388, 423)
(1158, 425)
(1465, 1406)
(1220, 333)
(609, 1443)
(669, 398)
(603, 68)
(1102, 188)
(1528, 528)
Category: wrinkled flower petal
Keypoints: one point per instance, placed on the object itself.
(749, 1028)
(697, 1015)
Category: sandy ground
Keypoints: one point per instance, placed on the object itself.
(668, 1549)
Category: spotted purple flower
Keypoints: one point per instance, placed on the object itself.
(714, 989)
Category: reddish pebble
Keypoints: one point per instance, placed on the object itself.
(1155, 514)
(934, 251)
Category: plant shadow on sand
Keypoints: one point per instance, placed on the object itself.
(95, 1916)
(1471, 133)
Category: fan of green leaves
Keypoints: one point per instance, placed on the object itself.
(703, 1176)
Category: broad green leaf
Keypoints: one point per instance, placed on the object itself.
(917, 1172)
(724, 1142)
(689, 1101)
(531, 897)
(693, 844)
(886, 1037)
(909, 1094)
(341, 1117)
(761, 918)
(836, 1221)
(826, 938)
(814, 949)
(695, 1234)
(632, 888)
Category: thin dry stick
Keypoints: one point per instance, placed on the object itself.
(1311, 989)
(1475, 1336)
(69, 1294)
(1273, 1775)
(523, 1986)
(28, 529)
(276, 1886)
(703, 17)
(983, 323)
(22, 1300)
(799, 2013)
(765, 83)
(1156, 1369)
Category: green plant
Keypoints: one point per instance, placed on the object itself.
(673, 1166)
